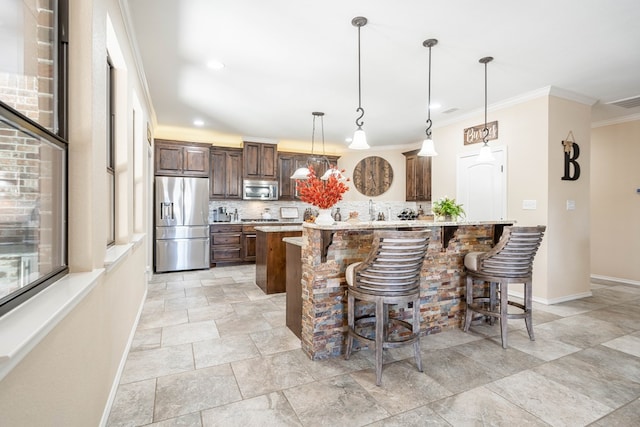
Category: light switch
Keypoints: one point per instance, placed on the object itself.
(571, 205)
(529, 204)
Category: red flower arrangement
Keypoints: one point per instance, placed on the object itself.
(322, 193)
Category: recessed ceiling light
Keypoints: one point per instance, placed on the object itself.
(215, 64)
(434, 106)
(348, 139)
(198, 122)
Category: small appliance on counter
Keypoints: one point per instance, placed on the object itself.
(221, 215)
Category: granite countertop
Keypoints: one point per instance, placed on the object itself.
(278, 228)
(293, 240)
(347, 225)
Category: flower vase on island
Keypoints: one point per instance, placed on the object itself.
(324, 192)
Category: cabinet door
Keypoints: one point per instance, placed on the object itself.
(251, 154)
(168, 159)
(411, 177)
(249, 247)
(423, 179)
(286, 185)
(234, 175)
(269, 161)
(196, 161)
(217, 177)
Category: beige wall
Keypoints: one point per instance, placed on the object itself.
(615, 203)
(531, 131)
(68, 378)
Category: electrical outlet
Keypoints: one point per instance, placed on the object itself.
(529, 205)
(571, 205)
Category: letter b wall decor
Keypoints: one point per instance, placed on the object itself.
(570, 148)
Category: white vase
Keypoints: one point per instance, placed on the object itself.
(324, 217)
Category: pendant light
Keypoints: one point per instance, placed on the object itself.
(485, 151)
(428, 149)
(359, 141)
(303, 172)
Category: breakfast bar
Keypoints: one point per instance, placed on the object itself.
(328, 250)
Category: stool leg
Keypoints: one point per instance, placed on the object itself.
(528, 319)
(351, 308)
(416, 330)
(504, 310)
(380, 338)
(492, 300)
(469, 297)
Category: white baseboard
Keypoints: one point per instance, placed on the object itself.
(123, 361)
(613, 280)
(547, 301)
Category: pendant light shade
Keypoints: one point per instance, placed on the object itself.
(359, 141)
(428, 147)
(485, 152)
(301, 173)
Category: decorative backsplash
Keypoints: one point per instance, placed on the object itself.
(255, 209)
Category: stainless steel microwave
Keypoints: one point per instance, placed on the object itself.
(259, 190)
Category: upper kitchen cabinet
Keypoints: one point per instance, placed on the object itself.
(225, 179)
(418, 177)
(175, 158)
(260, 161)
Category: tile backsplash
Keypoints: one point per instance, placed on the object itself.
(254, 209)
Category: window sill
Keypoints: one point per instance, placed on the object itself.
(24, 327)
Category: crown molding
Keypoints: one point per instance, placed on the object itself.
(615, 121)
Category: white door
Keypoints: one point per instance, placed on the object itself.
(481, 187)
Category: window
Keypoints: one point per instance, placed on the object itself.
(111, 170)
(33, 151)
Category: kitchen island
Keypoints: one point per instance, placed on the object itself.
(271, 256)
(328, 250)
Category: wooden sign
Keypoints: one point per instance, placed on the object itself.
(474, 134)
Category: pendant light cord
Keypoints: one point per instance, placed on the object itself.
(360, 110)
(485, 131)
(429, 122)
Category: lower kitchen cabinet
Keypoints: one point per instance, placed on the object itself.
(271, 260)
(248, 242)
(226, 243)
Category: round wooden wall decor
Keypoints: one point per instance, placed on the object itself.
(372, 176)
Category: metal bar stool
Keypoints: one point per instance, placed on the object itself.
(510, 261)
(389, 275)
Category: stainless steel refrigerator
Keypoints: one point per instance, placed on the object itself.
(182, 223)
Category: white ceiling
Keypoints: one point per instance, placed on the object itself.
(285, 59)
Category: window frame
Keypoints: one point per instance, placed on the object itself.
(59, 137)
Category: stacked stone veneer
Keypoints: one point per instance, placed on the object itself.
(324, 303)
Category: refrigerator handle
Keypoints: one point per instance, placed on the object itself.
(172, 215)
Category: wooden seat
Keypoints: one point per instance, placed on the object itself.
(390, 275)
(509, 262)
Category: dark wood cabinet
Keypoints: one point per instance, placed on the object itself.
(248, 242)
(271, 262)
(225, 178)
(174, 158)
(294, 288)
(260, 161)
(418, 177)
(226, 243)
(287, 165)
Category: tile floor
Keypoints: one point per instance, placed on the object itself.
(212, 350)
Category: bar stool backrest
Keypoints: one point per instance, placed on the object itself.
(513, 255)
(393, 265)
